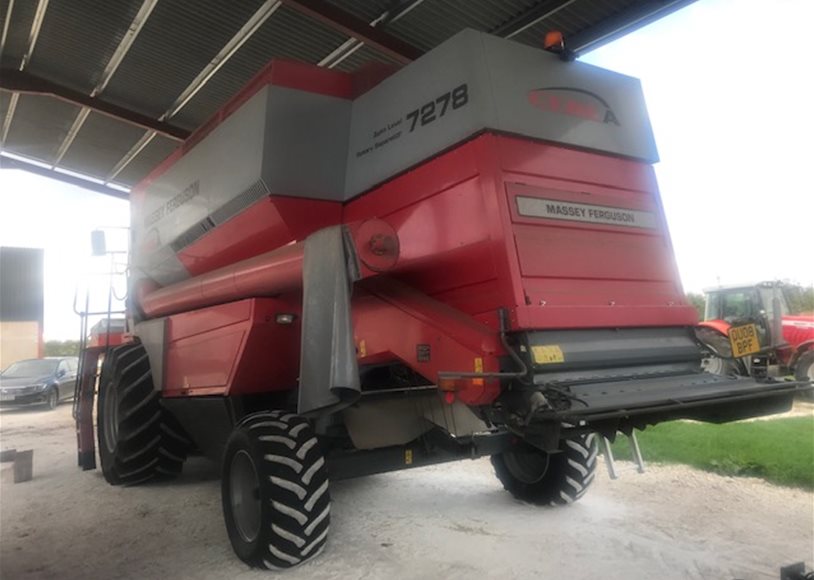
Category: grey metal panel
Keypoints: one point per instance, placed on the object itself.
(500, 77)
(100, 144)
(153, 154)
(306, 144)
(516, 70)
(39, 126)
(603, 348)
(329, 374)
(382, 139)
(78, 38)
(240, 140)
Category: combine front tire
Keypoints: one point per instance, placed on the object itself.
(275, 494)
(138, 439)
(537, 477)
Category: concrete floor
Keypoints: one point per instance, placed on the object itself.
(446, 522)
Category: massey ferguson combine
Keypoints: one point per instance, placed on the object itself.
(345, 274)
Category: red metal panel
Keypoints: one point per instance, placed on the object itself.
(266, 225)
(463, 244)
(534, 159)
(556, 252)
(431, 336)
(798, 329)
(235, 348)
(275, 272)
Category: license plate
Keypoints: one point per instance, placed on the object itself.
(6, 397)
(744, 340)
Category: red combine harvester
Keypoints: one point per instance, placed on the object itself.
(346, 274)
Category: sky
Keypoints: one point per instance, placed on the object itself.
(730, 94)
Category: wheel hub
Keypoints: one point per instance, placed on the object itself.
(244, 496)
(713, 365)
(527, 465)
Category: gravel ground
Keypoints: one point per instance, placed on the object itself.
(446, 522)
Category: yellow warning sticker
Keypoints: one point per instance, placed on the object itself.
(478, 369)
(408, 457)
(547, 354)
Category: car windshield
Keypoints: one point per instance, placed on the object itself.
(30, 368)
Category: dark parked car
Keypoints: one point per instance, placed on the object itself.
(38, 381)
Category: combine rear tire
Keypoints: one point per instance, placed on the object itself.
(537, 477)
(276, 501)
(138, 439)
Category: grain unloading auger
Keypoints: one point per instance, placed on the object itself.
(344, 274)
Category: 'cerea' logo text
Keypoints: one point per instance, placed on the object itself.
(574, 102)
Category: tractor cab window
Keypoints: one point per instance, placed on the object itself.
(734, 305)
(768, 296)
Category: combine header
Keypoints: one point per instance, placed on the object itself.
(344, 274)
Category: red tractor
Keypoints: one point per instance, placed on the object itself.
(752, 332)
(345, 274)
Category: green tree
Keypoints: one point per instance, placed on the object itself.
(698, 301)
(800, 298)
(61, 348)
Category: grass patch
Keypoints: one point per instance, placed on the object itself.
(777, 450)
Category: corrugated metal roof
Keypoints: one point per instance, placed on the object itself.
(78, 38)
(99, 145)
(433, 22)
(40, 124)
(154, 153)
(18, 31)
(287, 34)
(177, 42)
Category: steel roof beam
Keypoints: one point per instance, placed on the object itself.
(534, 15)
(9, 10)
(21, 82)
(12, 105)
(113, 64)
(36, 25)
(350, 25)
(130, 155)
(622, 23)
(16, 163)
(230, 48)
(351, 45)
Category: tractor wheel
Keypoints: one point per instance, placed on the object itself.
(275, 494)
(804, 371)
(537, 477)
(138, 439)
(714, 364)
